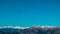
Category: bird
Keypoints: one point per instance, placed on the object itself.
(20, 11)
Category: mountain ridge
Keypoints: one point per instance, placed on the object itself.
(30, 30)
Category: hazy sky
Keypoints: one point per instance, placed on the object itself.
(29, 12)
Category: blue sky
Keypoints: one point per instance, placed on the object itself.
(29, 12)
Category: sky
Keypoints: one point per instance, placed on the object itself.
(29, 12)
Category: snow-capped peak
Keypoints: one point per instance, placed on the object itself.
(21, 27)
(14, 27)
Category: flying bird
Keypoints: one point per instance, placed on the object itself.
(20, 11)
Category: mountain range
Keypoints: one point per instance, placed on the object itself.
(30, 30)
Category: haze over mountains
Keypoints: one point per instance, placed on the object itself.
(30, 30)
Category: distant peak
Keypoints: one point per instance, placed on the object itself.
(21, 27)
(14, 27)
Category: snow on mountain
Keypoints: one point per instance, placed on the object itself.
(14, 27)
(30, 30)
(21, 27)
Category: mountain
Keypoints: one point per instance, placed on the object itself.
(30, 30)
